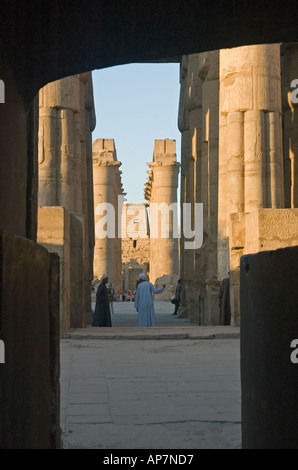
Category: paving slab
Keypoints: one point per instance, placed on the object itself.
(122, 392)
(168, 326)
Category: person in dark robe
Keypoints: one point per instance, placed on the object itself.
(102, 314)
(177, 297)
(224, 302)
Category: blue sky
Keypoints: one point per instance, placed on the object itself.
(136, 104)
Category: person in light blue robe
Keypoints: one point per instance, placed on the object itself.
(144, 301)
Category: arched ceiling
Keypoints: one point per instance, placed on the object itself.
(44, 40)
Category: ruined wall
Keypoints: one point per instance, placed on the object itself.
(135, 244)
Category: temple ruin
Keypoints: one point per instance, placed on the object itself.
(239, 135)
(46, 41)
(238, 126)
(141, 246)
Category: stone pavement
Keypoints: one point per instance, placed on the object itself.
(179, 389)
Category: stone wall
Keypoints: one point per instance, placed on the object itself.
(54, 234)
(138, 250)
(29, 326)
(135, 244)
(270, 229)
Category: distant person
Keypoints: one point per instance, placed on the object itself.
(144, 301)
(102, 315)
(177, 297)
(111, 296)
(224, 302)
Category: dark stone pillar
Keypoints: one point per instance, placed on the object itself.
(269, 324)
(54, 309)
(29, 307)
(32, 170)
(77, 316)
(14, 161)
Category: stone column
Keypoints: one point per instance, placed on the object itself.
(290, 123)
(68, 176)
(107, 187)
(250, 149)
(164, 259)
(189, 123)
(183, 125)
(207, 177)
(199, 160)
(87, 118)
(194, 162)
(49, 164)
(65, 174)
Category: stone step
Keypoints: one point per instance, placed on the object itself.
(163, 332)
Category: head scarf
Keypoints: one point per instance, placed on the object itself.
(143, 276)
(104, 277)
